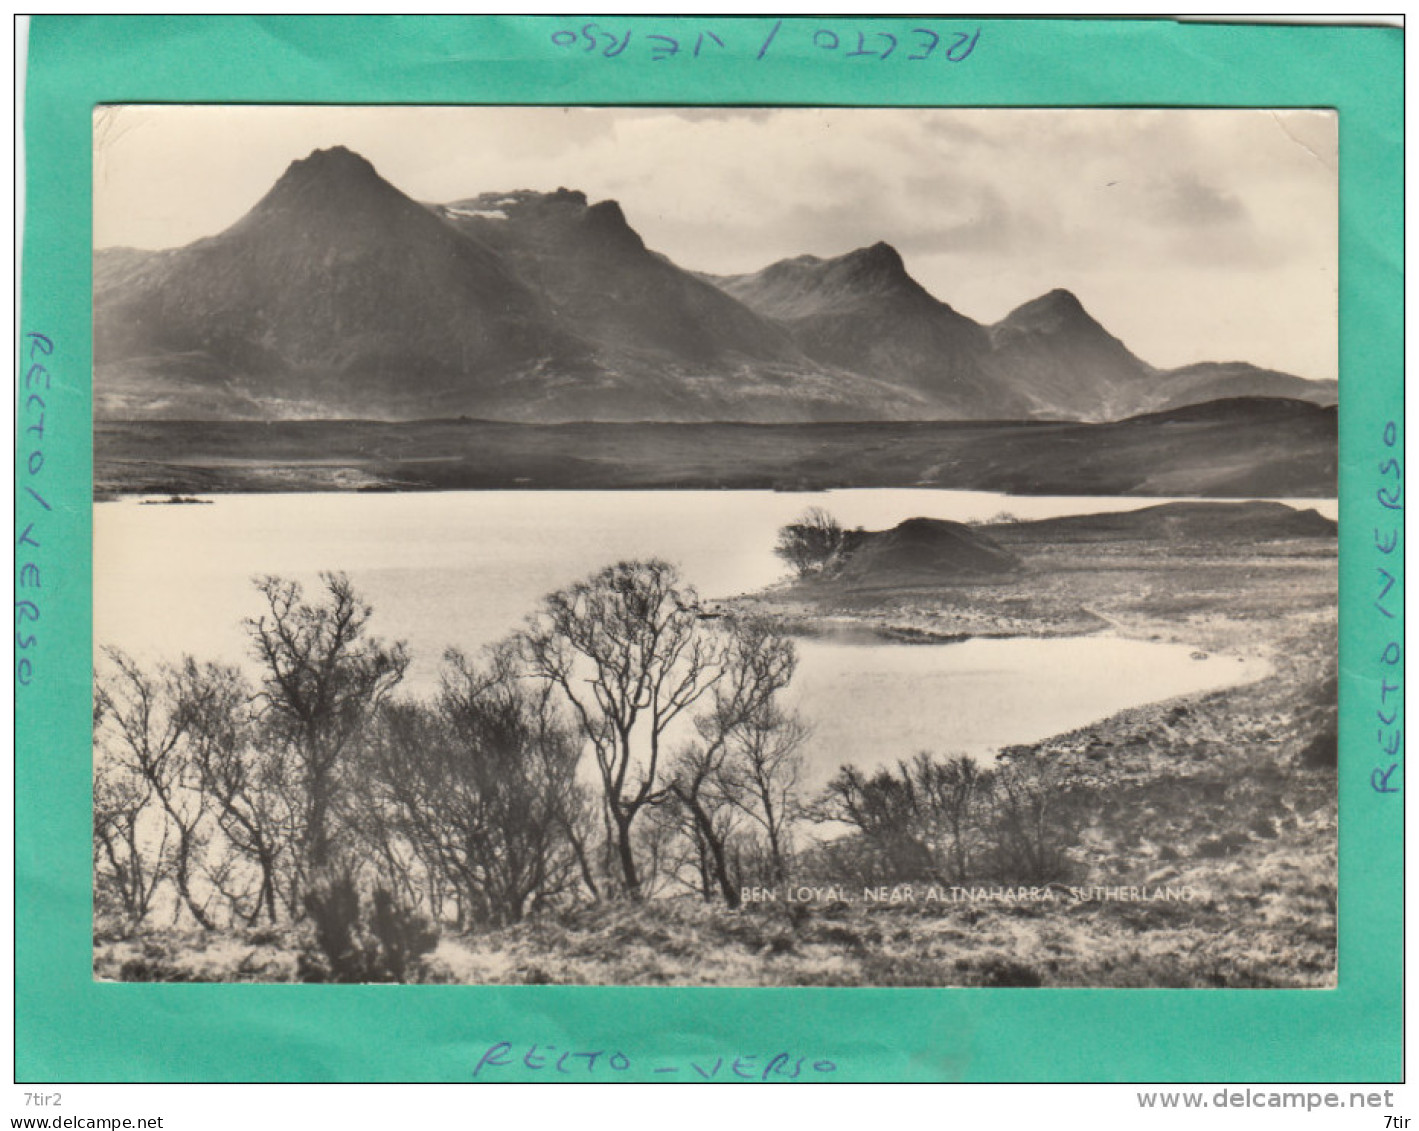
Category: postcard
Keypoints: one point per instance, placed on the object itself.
(784, 549)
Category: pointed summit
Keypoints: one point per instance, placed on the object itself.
(864, 312)
(564, 217)
(330, 292)
(877, 269)
(881, 256)
(1050, 313)
(336, 159)
(605, 222)
(604, 283)
(1061, 299)
(1056, 354)
(807, 286)
(330, 181)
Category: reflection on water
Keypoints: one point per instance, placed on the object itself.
(463, 568)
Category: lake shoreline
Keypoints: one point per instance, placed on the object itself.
(1217, 817)
(1229, 794)
(1219, 805)
(1215, 795)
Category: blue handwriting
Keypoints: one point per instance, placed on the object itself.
(595, 41)
(605, 1064)
(34, 386)
(1389, 735)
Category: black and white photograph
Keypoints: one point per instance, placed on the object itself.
(732, 546)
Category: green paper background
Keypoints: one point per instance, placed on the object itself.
(70, 1029)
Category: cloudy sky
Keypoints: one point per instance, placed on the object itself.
(1192, 235)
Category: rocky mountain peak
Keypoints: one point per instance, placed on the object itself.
(1058, 310)
(877, 268)
(335, 159)
(331, 167)
(304, 302)
(329, 182)
(567, 211)
(606, 225)
(881, 256)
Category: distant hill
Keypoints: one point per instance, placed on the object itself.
(1241, 447)
(926, 552)
(1212, 380)
(1246, 449)
(1192, 522)
(604, 283)
(337, 296)
(1048, 359)
(922, 551)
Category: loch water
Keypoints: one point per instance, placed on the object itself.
(463, 569)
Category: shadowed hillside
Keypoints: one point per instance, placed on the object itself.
(339, 297)
(862, 311)
(1175, 522)
(334, 290)
(923, 549)
(1261, 448)
(1067, 365)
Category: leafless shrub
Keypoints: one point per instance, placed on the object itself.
(813, 544)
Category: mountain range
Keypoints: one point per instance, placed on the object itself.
(338, 296)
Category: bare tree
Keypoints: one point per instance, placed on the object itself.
(627, 650)
(127, 868)
(716, 779)
(144, 725)
(813, 543)
(1038, 815)
(675, 835)
(322, 678)
(955, 797)
(927, 817)
(523, 756)
(885, 809)
(952, 819)
(761, 779)
(485, 786)
(248, 778)
(391, 844)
